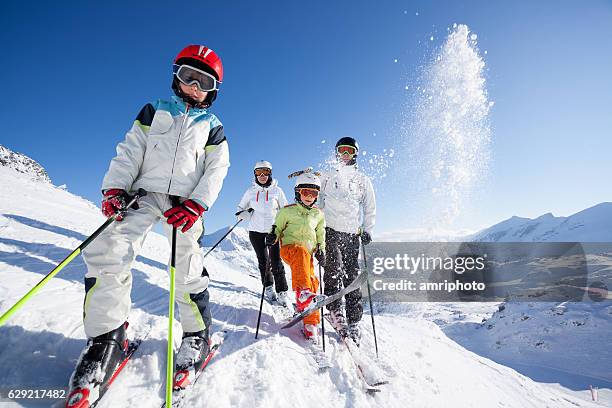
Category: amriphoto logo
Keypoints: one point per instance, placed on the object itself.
(477, 271)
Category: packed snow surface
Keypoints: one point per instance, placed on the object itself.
(426, 363)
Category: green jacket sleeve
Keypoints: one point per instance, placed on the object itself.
(280, 223)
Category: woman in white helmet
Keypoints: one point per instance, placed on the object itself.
(265, 198)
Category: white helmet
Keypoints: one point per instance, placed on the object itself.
(308, 180)
(263, 164)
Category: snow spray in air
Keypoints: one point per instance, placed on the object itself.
(447, 130)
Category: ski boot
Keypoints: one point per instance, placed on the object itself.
(305, 297)
(101, 359)
(338, 320)
(190, 358)
(270, 294)
(311, 332)
(283, 299)
(354, 333)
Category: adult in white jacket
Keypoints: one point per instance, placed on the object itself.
(175, 150)
(265, 198)
(349, 204)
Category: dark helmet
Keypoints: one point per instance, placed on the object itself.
(348, 141)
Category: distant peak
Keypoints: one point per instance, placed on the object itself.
(23, 164)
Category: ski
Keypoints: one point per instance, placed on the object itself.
(369, 386)
(282, 313)
(321, 360)
(325, 300)
(84, 397)
(182, 385)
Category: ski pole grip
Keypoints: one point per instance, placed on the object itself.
(139, 194)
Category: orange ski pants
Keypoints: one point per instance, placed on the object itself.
(302, 273)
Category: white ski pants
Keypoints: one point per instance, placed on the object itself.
(109, 260)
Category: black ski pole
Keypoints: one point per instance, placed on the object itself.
(263, 291)
(226, 234)
(260, 307)
(322, 309)
(365, 264)
(141, 193)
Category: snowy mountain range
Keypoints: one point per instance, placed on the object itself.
(433, 355)
(591, 225)
(23, 164)
(235, 248)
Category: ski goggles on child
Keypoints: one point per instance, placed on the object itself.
(262, 172)
(309, 192)
(190, 75)
(345, 149)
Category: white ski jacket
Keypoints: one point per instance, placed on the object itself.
(266, 201)
(173, 151)
(347, 200)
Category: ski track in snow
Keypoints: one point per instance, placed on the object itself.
(42, 341)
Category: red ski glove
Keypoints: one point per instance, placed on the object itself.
(114, 201)
(186, 213)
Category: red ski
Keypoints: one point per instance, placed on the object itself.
(89, 397)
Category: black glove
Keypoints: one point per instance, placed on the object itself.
(270, 239)
(320, 256)
(366, 238)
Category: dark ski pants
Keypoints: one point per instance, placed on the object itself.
(276, 273)
(341, 268)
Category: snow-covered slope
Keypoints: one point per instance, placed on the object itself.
(543, 339)
(235, 248)
(591, 225)
(23, 164)
(41, 342)
(539, 339)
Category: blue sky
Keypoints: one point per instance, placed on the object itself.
(296, 73)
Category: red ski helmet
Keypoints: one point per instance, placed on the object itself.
(200, 57)
(203, 55)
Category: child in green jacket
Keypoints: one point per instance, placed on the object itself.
(300, 227)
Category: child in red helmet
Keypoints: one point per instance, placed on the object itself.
(176, 150)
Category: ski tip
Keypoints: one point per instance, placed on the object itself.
(218, 337)
(79, 398)
(288, 325)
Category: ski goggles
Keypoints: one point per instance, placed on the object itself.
(190, 75)
(345, 149)
(309, 192)
(262, 172)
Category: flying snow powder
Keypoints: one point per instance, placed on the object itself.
(447, 132)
